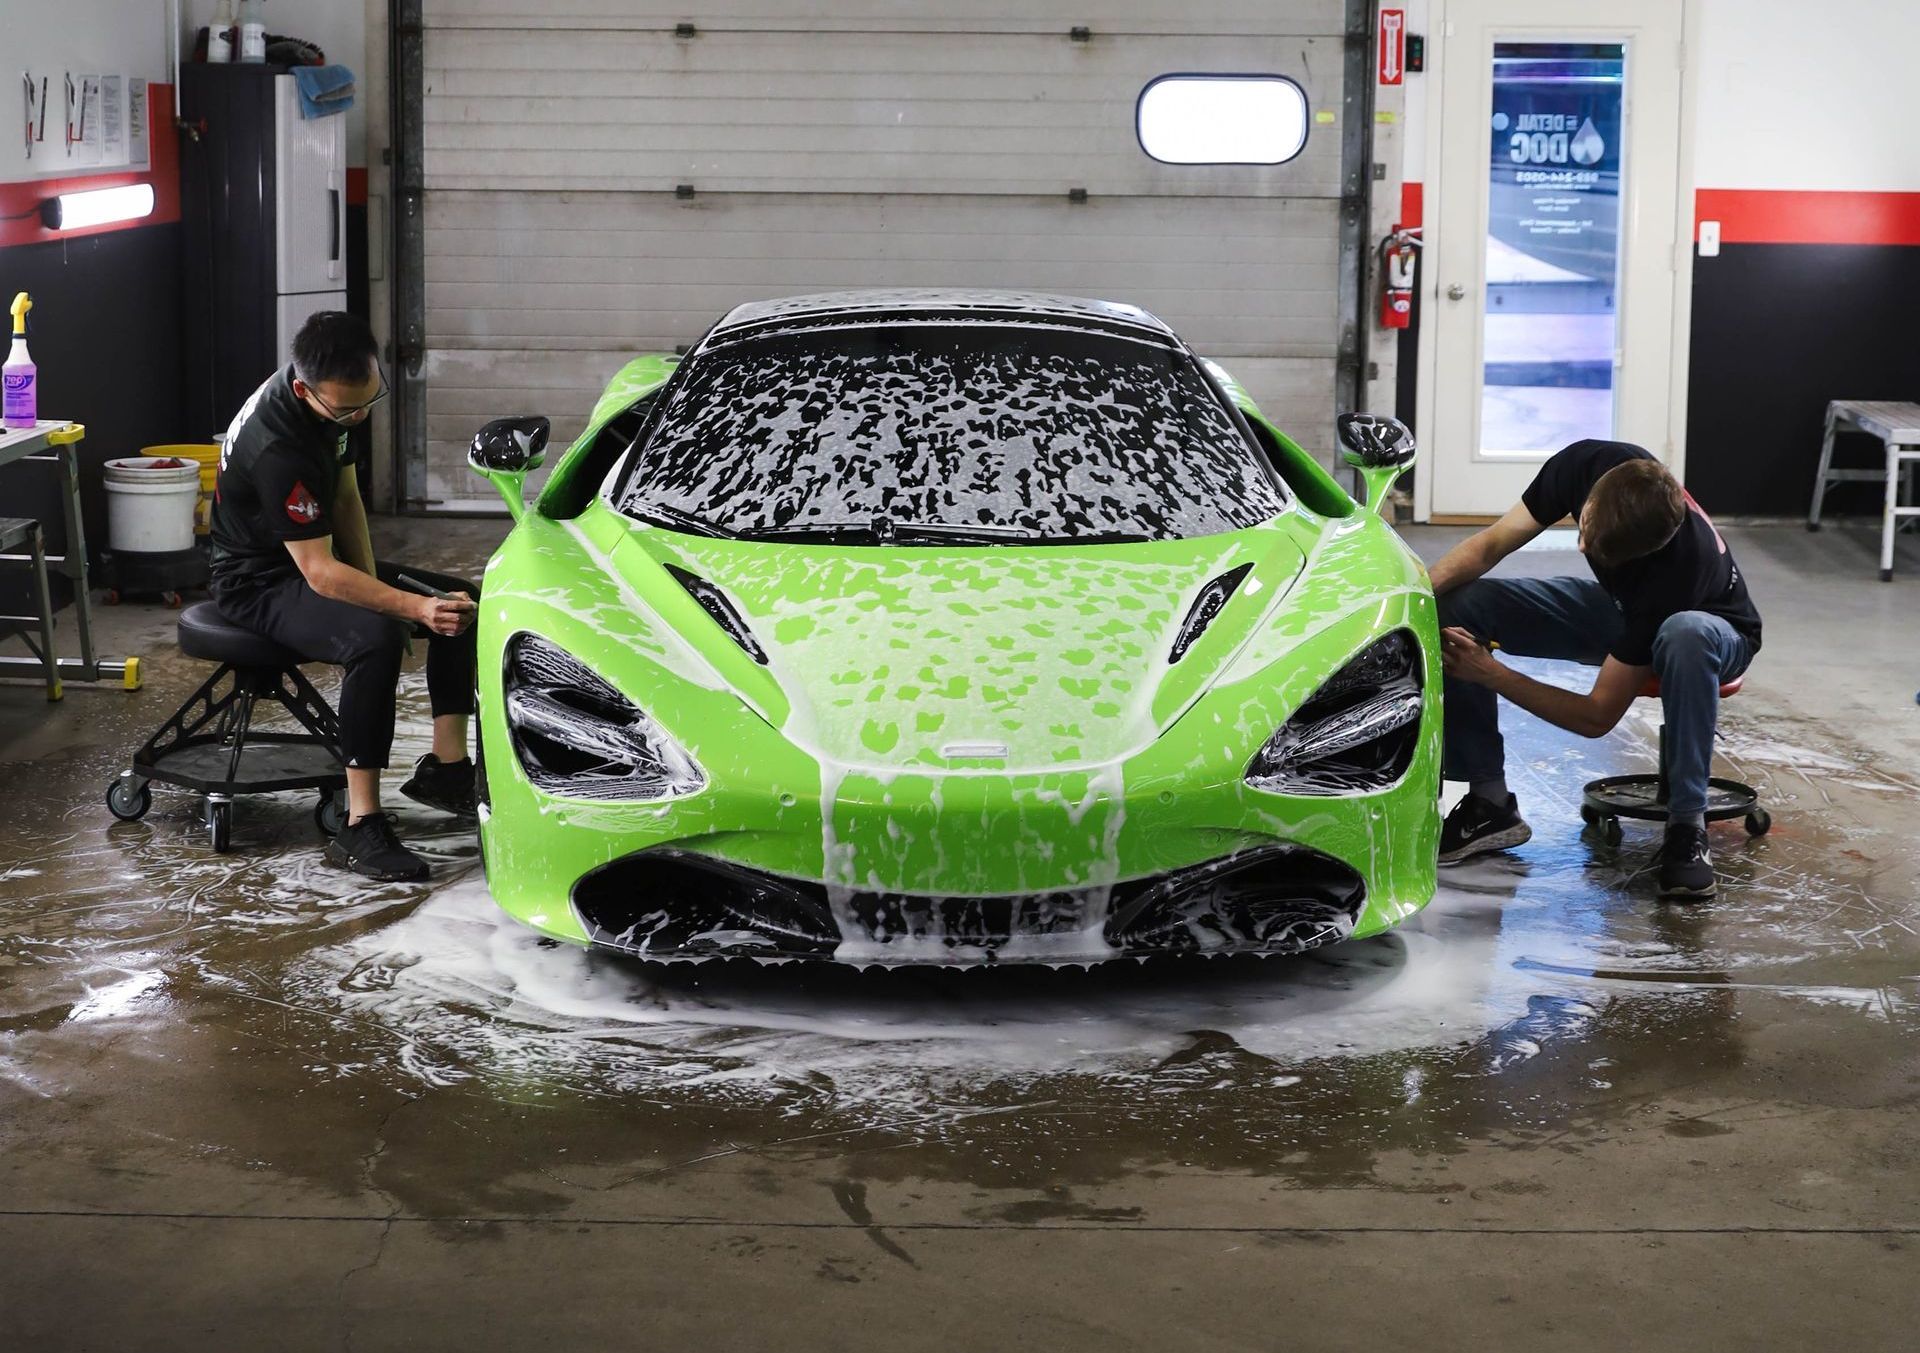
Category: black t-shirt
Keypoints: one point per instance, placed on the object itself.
(1694, 571)
(278, 476)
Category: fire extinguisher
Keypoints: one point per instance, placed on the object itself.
(1396, 276)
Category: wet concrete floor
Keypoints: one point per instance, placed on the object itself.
(246, 1102)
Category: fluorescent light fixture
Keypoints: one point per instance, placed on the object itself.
(1222, 119)
(97, 206)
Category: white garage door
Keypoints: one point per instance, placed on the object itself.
(839, 143)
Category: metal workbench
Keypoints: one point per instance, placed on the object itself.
(57, 443)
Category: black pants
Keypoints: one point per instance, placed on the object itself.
(369, 645)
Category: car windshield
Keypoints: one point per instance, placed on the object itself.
(958, 431)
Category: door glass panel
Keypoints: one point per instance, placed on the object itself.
(1553, 252)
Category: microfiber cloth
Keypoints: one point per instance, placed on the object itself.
(324, 90)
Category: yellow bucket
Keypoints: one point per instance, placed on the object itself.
(207, 455)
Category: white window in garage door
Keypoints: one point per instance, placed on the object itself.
(1221, 119)
(1552, 286)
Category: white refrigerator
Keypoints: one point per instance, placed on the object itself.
(310, 213)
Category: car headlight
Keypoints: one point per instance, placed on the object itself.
(1357, 733)
(576, 735)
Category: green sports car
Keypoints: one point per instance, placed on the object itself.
(951, 627)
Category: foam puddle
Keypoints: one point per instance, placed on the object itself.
(489, 998)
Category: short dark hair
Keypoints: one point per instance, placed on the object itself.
(1632, 511)
(333, 346)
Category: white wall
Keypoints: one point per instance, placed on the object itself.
(337, 27)
(86, 37)
(1414, 138)
(1791, 96)
(1808, 97)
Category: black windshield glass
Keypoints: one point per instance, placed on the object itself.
(1043, 432)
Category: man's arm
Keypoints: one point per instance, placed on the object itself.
(338, 580)
(350, 534)
(1480, 551)
(1591, 715)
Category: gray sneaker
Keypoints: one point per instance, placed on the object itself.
(1686, 865)
(1477, 826)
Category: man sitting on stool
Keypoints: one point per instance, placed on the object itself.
(1668, 601)
(292, 560)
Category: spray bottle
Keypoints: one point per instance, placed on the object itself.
(220, 35)
(18, 397)
(253, 31)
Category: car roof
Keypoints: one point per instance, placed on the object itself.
(1015, 306)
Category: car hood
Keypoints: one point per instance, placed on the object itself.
(993, 659)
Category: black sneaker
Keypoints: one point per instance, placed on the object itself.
(446, 785)
(1477, 826)
(1686, 865)
(369, 847)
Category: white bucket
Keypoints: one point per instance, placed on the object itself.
(150, 505)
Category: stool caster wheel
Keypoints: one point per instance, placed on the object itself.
(1609, 829)
(1759, 822)
(330, 815)
(220, 824)
(129, 798)
(173, 601)
(1589, 816)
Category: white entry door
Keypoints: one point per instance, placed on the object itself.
(1554, 245)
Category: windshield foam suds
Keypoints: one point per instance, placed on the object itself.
(1060, 433)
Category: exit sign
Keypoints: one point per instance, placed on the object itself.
(1393, 46)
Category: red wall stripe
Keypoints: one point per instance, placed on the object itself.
(356, 186)
(1773, 216)
(163, 172)
(1762, 216)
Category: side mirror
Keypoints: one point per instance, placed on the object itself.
(1379, 448)
(505, 450)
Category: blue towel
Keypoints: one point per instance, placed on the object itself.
(324, 90)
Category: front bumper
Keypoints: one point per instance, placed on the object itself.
(675, 904)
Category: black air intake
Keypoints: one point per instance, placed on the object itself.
(714, 602)
(1211, 601)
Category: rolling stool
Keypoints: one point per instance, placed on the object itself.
(231, 758)
(1606, 800)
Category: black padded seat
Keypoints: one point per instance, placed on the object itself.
(206, 633)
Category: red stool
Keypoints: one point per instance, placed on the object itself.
(1644, 797)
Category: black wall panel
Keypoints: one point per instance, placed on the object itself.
(1778, 330)
(105, 334)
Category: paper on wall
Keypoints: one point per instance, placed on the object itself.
(83, 120)
(113, 120)
(137, 123)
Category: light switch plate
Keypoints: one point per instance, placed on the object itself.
(1709, 239)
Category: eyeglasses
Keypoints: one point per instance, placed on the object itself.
(346, 415)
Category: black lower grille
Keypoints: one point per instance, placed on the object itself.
(670, 903)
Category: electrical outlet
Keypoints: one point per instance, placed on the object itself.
(1709, 239)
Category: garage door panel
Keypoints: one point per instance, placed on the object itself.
(647, 230)
(884, 143)
(916, 16)
(811, 113)
(1212, 273)
(550, 258)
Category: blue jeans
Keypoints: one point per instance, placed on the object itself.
(1573, 619)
